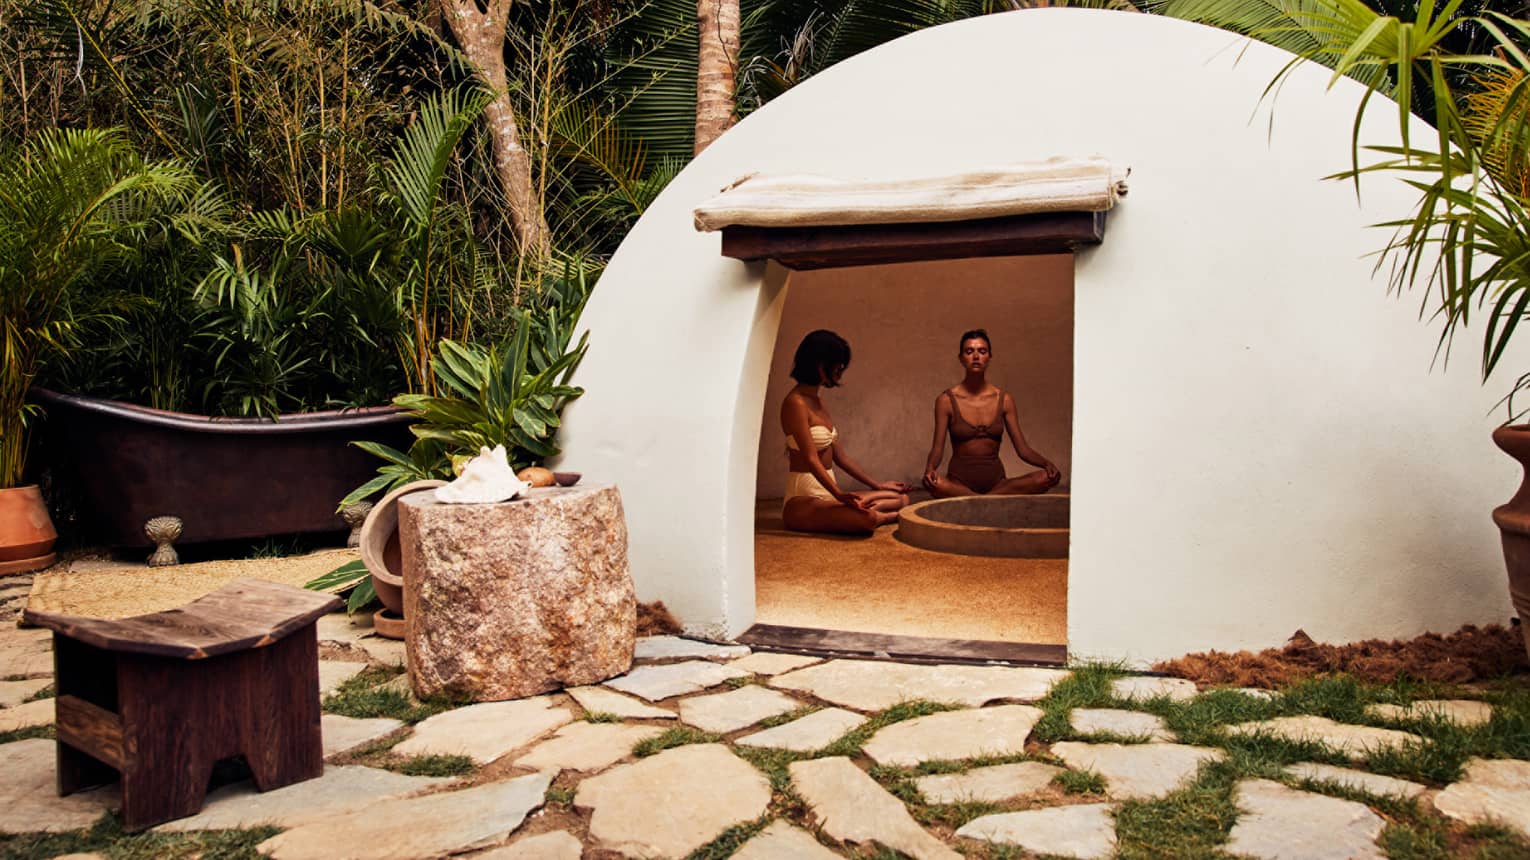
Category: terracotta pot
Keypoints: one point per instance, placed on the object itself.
(380, 549)
(1513, 519)
(388, 625)
(26, 532)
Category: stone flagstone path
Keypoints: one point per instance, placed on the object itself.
(485, 732)
(1135, 771)
(408, 829)
(705, 790)
(1086, 831)
(987, 784)
(1459, 711)
(1493, 792)
(29, 798)
(953, 735)
(340, 789)
(1280, 823)
(671, 647)
(346, 733)
(554, 845)
(781, 841)
(1124, 724)
(852, 807)
(739, 709)
(599, 700)
(1356, 780)
(1351, 740)
(607, 802)
(586, 747)
(866, 685)
(674, 679)
(806, 734)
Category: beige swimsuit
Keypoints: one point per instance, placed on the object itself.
(806, 483)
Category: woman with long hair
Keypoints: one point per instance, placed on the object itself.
(815, 502)
(976, 414)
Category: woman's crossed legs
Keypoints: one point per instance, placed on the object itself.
(813, 514)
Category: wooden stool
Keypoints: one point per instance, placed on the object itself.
(161, 698)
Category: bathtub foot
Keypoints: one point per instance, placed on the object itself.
(163, 531)
(354, 516)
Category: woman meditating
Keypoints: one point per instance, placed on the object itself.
(814, 500)
(976, 414)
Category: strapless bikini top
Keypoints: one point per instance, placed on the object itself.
(823, 437)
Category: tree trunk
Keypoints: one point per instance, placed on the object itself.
(482, 37)
(716, 68)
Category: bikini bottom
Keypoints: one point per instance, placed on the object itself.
(978, 473)
(804, 484)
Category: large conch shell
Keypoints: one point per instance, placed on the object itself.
(485, 478)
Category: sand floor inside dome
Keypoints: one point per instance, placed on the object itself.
(882, 585)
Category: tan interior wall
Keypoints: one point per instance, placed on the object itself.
(902, 322)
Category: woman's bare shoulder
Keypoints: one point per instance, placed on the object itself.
(796, 403)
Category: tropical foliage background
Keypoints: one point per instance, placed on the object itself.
(373, 179)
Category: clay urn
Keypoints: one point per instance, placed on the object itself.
(1513, 520)
(26, 531)
(380, 550)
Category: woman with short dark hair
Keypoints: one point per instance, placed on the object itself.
(975, 469)
(814, 500)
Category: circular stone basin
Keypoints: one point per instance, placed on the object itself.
(1002, 526)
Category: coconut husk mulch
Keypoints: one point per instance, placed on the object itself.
(1467, 655)
(653, 619)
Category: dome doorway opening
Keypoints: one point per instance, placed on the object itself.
(882, 593)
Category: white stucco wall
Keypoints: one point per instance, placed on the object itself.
(1259, 442)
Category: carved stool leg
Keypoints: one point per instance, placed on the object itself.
(277, 696)
(171, 739)
(156, 789)
(163, 531)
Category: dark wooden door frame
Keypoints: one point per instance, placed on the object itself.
(801, 248)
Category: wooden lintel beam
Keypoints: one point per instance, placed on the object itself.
(872, 244)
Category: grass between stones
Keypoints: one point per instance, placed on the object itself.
(362, 696)
(1080, 782)
(107, 837)
(602, 717)
(379, 753)
(789, 716)
(730, 840)
(435, 765)
(678, 736)
(45, 693)
(28, 733)
(1195, 821)
(851, 742)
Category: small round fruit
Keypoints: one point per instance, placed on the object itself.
(536, 476)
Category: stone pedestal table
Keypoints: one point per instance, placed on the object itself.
(516, 598)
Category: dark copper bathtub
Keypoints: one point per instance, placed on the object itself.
(226, 478)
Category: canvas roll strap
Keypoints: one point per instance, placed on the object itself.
(1057, 185)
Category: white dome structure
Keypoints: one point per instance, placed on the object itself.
(1260, 441)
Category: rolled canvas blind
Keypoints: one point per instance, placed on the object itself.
(1056, 185)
